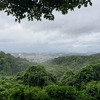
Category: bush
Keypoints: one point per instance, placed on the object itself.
(62, 92)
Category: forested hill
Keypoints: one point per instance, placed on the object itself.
(37, 83)
(9, 65)
(74, 62)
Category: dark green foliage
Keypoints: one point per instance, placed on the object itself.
(35, 94)
(93, 90)
(35, 9)
(3, 4)
(22, 92)
(17, 93)
(26, 93)
(3, 93)
(57, 70)
(62, 92)
(9, 65)
(65, 78)
(82, 95)
(38, 76)
(86, 74)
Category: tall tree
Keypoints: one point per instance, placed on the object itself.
(36, 9)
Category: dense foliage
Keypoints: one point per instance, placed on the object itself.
(85, 75)
(38, 83)
(9, 65)
(36, 9)
(38, 76)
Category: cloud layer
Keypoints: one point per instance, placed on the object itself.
(78, 31)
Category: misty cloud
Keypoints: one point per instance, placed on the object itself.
(78, 31)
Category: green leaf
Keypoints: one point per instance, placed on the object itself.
(79, 6)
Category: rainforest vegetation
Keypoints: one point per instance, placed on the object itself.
(62, 78)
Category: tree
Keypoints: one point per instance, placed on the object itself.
(38, 76)
(69, 73)
(36, 9)
(56, 92)
(89, 73)
(93, 90)
(3, 4)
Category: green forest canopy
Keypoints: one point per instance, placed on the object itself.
(83, 85)
(36, 9)
(9, 65)
(36, 83)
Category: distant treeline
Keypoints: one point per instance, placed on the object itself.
(74, 62)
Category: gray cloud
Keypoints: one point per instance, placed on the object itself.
(78, 31)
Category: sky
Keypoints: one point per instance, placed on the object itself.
(76, 32)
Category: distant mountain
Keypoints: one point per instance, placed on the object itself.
(74, 62)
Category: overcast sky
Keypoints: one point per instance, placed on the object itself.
(78, 31)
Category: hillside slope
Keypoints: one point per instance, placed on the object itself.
(9, 65)
(74, 62)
